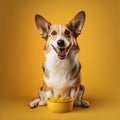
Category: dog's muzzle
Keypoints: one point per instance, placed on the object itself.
(62, 52)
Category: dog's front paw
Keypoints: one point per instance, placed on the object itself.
(85, 104)
(34, 103)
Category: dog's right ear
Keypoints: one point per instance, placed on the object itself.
(43, 25)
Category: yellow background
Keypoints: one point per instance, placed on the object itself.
(21, 50)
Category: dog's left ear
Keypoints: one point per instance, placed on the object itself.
(76, 24)
(43, 25)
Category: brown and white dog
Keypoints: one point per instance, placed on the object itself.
(61, 68)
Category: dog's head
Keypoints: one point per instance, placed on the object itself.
(61, 38)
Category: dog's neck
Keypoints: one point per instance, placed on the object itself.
(53, 63)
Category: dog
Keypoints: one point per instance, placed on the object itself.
(62, 70)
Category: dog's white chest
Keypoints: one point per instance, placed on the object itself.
(58, 79)
(59, 72)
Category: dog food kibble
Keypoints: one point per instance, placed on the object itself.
(60, 99)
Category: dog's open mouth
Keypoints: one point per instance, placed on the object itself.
(61, 52)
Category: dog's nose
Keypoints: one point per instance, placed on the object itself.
(61, 43)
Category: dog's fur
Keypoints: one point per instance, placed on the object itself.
(62, 68)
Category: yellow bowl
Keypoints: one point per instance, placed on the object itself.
(60, 107)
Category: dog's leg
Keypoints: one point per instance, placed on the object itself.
(42, 98)
(38, 101)
(34, 103)
(44, 95)
(78, 99)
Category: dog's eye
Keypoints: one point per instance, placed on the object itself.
(67, 33)
(53, 33)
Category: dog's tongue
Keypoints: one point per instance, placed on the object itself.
(62, 52)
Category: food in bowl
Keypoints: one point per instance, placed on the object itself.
(60, 104)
